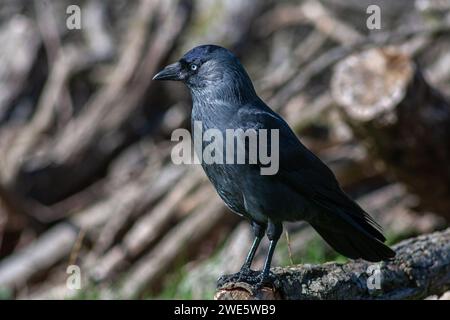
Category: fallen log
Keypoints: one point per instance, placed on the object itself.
(404, 121)
(421, 268)
(386, 204)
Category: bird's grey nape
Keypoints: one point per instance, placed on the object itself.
(223, 80)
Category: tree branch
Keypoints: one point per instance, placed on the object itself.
(420, 269)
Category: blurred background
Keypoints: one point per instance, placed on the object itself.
(86, 177)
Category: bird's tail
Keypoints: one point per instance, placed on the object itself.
(356, 241)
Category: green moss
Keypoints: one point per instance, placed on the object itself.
(6, 293)
(392, 238)
(317, 252)
(171, 286)
(91, 292)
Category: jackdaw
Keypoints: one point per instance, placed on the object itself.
(304, 188)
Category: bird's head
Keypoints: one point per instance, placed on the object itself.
(209, 68)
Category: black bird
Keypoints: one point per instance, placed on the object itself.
(304, 188)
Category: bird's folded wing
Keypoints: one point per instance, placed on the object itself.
(304, 172)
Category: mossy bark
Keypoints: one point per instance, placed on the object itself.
(421, 268)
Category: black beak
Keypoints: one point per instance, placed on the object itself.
(171, 72)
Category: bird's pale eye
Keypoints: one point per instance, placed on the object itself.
(193, 67)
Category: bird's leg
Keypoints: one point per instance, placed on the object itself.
(246, 274)
(259, 231)
(273, 233)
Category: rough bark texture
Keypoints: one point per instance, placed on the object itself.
(405, 121)
(420, 269)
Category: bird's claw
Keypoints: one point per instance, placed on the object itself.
(264, 280)
(244, 275)
(257, 280)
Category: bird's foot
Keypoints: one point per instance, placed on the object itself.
(256, 279)
(244, 275)
(264, 280)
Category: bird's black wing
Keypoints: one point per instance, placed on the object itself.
(305, 173)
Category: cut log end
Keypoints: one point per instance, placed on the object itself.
(404, 121)
(372, 82)
(244, 291)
